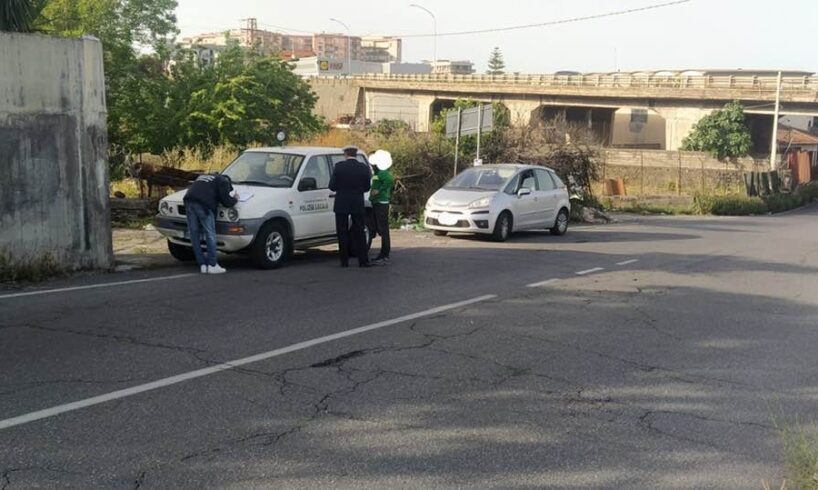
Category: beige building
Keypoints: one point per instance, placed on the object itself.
(446, 67)
(335, 46)
(381, 49)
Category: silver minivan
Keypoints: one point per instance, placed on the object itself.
(499, 199)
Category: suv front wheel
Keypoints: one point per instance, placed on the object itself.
(271, 247)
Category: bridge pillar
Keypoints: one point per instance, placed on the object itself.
(520, 110)
(679, 122)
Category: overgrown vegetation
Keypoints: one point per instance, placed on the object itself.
(168, 100)
(729, 205)
(800, 456)
(20, 15)
(723, 133)
(27, 269)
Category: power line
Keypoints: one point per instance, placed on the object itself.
(553, 22)
(572, 20)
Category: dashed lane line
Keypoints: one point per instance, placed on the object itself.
(180, 378)
(542, 283)
(590, 271)
(628, 262)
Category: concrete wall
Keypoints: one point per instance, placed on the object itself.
(653, 172)
(53, 150)
(336, 97)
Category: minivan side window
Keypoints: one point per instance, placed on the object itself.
(557, 181)
(545, 181)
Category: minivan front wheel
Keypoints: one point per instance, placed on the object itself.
(502, 228)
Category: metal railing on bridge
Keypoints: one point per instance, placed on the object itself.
(636, 81)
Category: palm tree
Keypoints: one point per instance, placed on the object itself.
(20, 15)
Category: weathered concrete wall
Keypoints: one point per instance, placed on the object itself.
(53, 151)
(336, 97)
(652, 172)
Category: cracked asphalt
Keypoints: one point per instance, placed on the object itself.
(670, 372)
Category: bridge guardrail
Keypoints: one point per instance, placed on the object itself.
(761, 83)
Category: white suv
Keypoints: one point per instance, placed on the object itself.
(284, 204)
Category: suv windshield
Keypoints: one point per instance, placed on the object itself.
(264, 169)
(482, 179)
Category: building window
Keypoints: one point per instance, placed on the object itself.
(639, 116)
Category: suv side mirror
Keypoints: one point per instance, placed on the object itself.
(307, 184)
(524, 191)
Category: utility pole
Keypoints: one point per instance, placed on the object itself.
(457, 139)
(774, 146)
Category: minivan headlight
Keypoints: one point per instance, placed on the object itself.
(164, 208)
(480, 203)
(233, 214)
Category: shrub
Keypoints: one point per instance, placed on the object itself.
(809, 192)
(730, 205)
(778, 203)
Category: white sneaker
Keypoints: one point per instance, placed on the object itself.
(216, 269)
(203, 269)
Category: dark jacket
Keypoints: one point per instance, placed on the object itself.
(350, 180)
(210, 190)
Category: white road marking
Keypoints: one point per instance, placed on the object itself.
(161, 383)
(95, 286)
(628, 262)
(590, 271)
(542, 283)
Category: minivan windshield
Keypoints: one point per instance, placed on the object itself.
(264, 169)
(482, 179)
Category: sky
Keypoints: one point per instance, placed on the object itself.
(781, 34)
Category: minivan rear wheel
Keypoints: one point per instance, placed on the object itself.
(561, 223)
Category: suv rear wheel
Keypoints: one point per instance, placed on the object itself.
(272, 246)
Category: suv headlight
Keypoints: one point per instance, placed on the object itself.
(480, 203)
(233, 214)
(164, 208)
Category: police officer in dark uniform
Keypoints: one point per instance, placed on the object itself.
(350, 180)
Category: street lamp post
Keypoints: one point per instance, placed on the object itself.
(349, 45)
(434, 19)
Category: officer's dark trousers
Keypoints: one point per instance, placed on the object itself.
(354, 234)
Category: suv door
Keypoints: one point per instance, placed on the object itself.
(312, 213)
(547, 197)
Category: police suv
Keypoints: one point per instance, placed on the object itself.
(284, 204)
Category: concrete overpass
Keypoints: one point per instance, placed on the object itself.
(631, 110)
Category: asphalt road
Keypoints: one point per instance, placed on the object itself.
(666, 363)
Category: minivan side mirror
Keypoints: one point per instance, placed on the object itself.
(524, 191)
(307, 184)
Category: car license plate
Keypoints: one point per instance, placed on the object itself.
(447, 219)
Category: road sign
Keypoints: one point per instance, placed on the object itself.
(470, 121)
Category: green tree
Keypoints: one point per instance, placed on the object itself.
(243, 98)
(124, 27)
(722, 133)
(20, 15)
(496, 64)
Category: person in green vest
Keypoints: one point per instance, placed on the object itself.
(380, 196)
